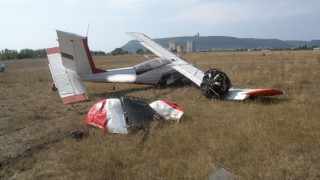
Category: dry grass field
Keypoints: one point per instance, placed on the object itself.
(263, 138)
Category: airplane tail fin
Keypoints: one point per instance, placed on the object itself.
(67, 63)
(75, 53)
(67, 81)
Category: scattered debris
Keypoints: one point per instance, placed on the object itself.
(53, 87)
(127, 113)
(78, 134)
(144, 135)
(120, 115)
(215, 84)
(168, 109)
(222, 174)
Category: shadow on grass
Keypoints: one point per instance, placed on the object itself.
(114, 93)
(118, 94)
(265, 100)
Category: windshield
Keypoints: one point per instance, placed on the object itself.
(150, 64)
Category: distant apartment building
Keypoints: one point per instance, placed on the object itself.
(173, 46)
(191, 46)
(179, 49)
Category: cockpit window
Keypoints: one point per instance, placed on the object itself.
(150, 64)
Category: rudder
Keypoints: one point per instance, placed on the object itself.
(75, 53)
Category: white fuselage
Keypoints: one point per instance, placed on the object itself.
(149, 72)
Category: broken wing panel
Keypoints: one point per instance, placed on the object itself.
(185, 68)
(168, 109)
(241, 94)
(136, 112)
(107, 115)
(115, 117)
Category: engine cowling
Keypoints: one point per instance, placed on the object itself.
(215, 84)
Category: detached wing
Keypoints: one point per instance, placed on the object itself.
(185, 68)
(195, 74)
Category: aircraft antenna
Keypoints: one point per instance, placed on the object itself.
(88, 29)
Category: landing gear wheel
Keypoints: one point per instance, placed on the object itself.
(215, 84)
(53, 87)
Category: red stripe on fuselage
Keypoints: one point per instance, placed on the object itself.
(93, 67)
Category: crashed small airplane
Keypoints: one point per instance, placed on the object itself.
(71, 63)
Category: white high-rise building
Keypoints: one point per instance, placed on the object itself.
(190, 46)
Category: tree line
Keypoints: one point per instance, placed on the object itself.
(8, 54)
(120, 51)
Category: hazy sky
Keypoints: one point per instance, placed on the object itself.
(32, 23)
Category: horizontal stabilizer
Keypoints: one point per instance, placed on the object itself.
(68, 82)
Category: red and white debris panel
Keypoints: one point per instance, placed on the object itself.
(122, 115)
(167, 109)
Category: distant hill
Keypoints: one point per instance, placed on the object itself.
(216, 43)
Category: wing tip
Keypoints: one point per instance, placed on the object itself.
(134, 33)
(265, 92)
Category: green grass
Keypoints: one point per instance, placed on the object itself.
(264, 138)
